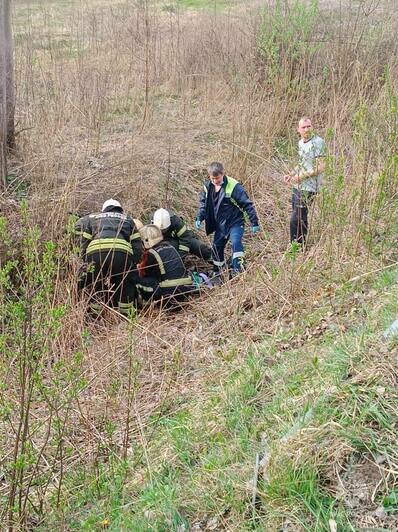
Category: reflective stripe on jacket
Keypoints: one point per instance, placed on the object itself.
(100, 244)
(229, 207)
(107, 230)
(179, 232)
(165, 265)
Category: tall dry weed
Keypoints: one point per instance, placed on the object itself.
(133, 101)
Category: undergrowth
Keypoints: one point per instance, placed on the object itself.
(157, 423)
(314, 412)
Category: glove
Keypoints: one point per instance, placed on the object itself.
(198, 223)
(255, 229)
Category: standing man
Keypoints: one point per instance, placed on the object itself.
(224, 206)
(176, 232)
(306, 178)
(111, 247)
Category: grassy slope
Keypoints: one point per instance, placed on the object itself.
(320, 393)
(318, 400)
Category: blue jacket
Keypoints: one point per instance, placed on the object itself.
(228, 208)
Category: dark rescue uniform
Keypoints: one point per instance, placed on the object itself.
(111, 247)
(225, 213)
(229, 207)
(183, 239)
(163, 274)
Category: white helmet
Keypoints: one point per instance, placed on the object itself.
(151, 235)
(110, 203)
(161, 218)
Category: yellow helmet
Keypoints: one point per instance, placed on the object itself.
(150, 235)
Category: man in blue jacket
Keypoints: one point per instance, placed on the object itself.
(224, 206)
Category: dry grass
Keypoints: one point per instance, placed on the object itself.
(133, 101)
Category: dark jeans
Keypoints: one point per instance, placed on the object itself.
(109, 278)
(301, 201)
(219, 243)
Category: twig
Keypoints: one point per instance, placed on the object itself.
(372, 271)
(255, 482)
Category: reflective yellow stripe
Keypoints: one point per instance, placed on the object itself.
(158, 260)
(135, 236)
(229, 188)
(84, 234)
(144, 288)
(182, 230)
(102, 246)
(126, 308)
(183, 248)
(231, 184)
(109, 243)
(183, 281)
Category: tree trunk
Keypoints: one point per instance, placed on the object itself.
(7, 89)
(10, 85)
(3, 113)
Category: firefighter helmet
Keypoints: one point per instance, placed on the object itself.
(110, 203)
(151, 235)
(161, 218)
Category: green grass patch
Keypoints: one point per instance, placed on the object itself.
(173, 6)
(333, 392)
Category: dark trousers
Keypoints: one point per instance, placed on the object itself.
(149, 289)
(197, 248)
(109, 278)
(200, 249)
(301, 201)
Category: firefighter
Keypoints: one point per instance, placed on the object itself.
(225, 206)
(178, 235)
(161, 271)
(111, 247)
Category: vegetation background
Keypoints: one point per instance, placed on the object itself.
(268, 404)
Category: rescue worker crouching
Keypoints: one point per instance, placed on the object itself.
(111, 247)
(176, 232)
(161, 271)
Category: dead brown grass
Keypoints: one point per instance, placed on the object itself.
(133, 102)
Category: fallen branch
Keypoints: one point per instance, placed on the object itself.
(372, 271)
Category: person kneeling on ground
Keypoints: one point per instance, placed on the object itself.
(224, 205)
(161, 271)
(178, 235)
(110, 245)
